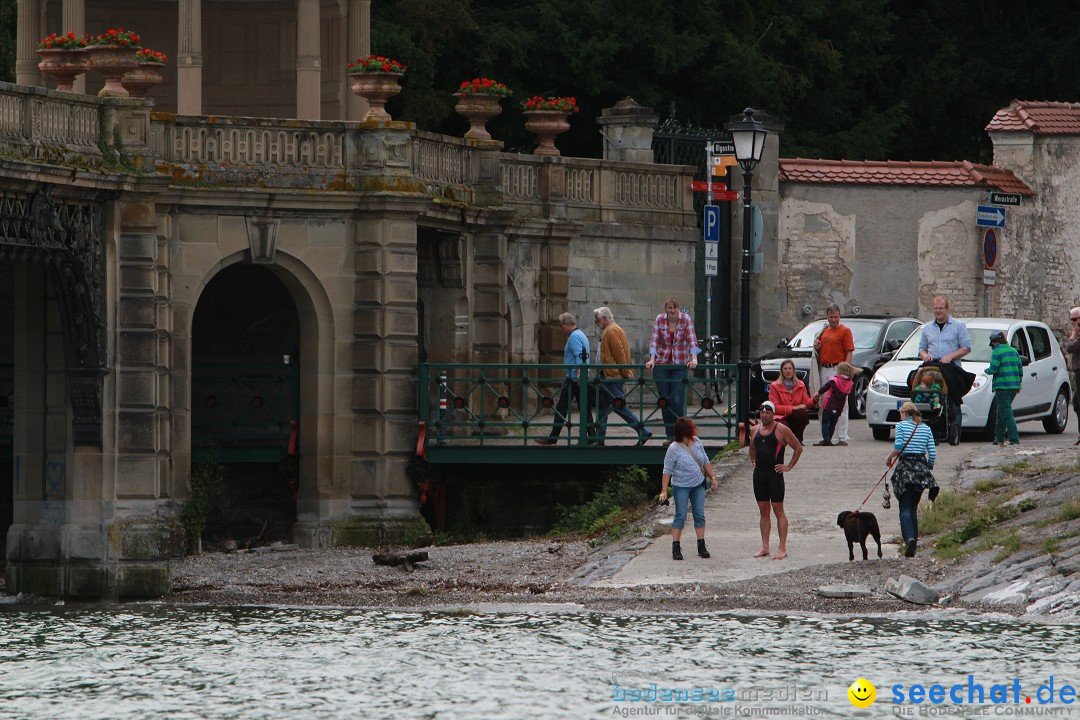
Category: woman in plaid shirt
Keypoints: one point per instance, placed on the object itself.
(672, 349)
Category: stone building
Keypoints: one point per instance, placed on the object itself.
(264, 287)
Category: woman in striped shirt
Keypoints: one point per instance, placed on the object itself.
(917, 453)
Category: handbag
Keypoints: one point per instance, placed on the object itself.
(885, 496)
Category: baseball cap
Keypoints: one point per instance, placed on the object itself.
(996, 335)
(768, 404)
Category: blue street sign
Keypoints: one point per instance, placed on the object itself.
(990, 216)
(711, 223)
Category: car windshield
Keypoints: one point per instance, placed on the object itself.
(980, 346)
(865, 333)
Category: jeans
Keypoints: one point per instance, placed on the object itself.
(909, 515)
(670, 385)
(696, 497)
(828, 424)
(1006, 423)
(610, 390)
(571, 390)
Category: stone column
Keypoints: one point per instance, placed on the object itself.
(627, 129)
(74, 14)
(382, 498)
(189, 59)
(308, 61)
(28, 35)
(358, 45)
(142, 539)
(489, 278)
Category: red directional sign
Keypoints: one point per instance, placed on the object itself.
(702, 186)
(719, 190)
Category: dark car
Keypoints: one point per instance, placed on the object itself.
(876, 338)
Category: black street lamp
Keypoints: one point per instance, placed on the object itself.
(749, 136)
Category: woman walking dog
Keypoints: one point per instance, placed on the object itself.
(917, 453)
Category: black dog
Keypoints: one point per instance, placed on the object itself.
(857, 525)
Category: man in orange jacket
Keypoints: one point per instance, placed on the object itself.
(615, 350)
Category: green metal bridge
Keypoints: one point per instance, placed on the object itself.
(494, 413)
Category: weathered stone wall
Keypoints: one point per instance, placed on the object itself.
(1039, 249)
(876, 250)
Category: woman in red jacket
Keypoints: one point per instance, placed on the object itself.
(791, 399)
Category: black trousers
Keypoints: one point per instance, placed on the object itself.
(571, 390)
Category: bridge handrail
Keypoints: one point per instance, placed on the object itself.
(489, 399)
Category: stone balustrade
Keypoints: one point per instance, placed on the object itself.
(69, 129)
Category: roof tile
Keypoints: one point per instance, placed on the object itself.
(934, 173)
(1037, 117)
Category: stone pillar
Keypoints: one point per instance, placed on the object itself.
(383, 500)
(74, 14)
(489, 277)
(28, 34)
(308, 61)
(358, 45)
(627, 129)
(142, 538)
(189, 59)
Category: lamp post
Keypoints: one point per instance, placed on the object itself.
(749, 137)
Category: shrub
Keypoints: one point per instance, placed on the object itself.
(207, 479)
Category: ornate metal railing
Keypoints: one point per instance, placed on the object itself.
(476, 408)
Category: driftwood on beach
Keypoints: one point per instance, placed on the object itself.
(400, 559)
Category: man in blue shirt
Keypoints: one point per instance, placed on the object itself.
(576, 352)
(945, 340)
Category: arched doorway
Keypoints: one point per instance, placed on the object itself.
(245, 403)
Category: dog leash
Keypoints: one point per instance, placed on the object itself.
(885, 504)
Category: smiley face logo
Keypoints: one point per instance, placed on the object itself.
(862, 693)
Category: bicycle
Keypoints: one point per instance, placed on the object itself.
(716, 379)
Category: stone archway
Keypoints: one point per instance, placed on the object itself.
(245, 403)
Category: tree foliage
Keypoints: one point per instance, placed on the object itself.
(859, 79)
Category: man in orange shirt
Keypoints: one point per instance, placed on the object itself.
(833, 346)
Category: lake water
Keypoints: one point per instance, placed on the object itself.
(167, 662)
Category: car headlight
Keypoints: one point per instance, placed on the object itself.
(980, 380)
(878, 385)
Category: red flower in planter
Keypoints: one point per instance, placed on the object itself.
(484, 86)
(374, 63)
(69, 41)
(565, 104)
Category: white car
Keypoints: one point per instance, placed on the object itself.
(1044, 395)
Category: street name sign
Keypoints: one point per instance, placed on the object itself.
(999, 198)
(990, 216)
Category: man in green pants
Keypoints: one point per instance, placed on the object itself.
(1008, 373)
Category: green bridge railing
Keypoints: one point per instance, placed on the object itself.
(476, 413)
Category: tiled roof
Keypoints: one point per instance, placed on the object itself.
(1039, 118)
(934, 173)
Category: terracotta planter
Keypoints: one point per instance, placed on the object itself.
(376, 88)
(477, 109)
(546, 124)
(138, 81)
(63, 66)
(113, 63)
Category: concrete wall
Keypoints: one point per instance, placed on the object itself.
(632, 269)
(881, 249)
(1039, 249)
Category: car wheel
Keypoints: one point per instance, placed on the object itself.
(1055, 423)
(857, 401)
(881, 432)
